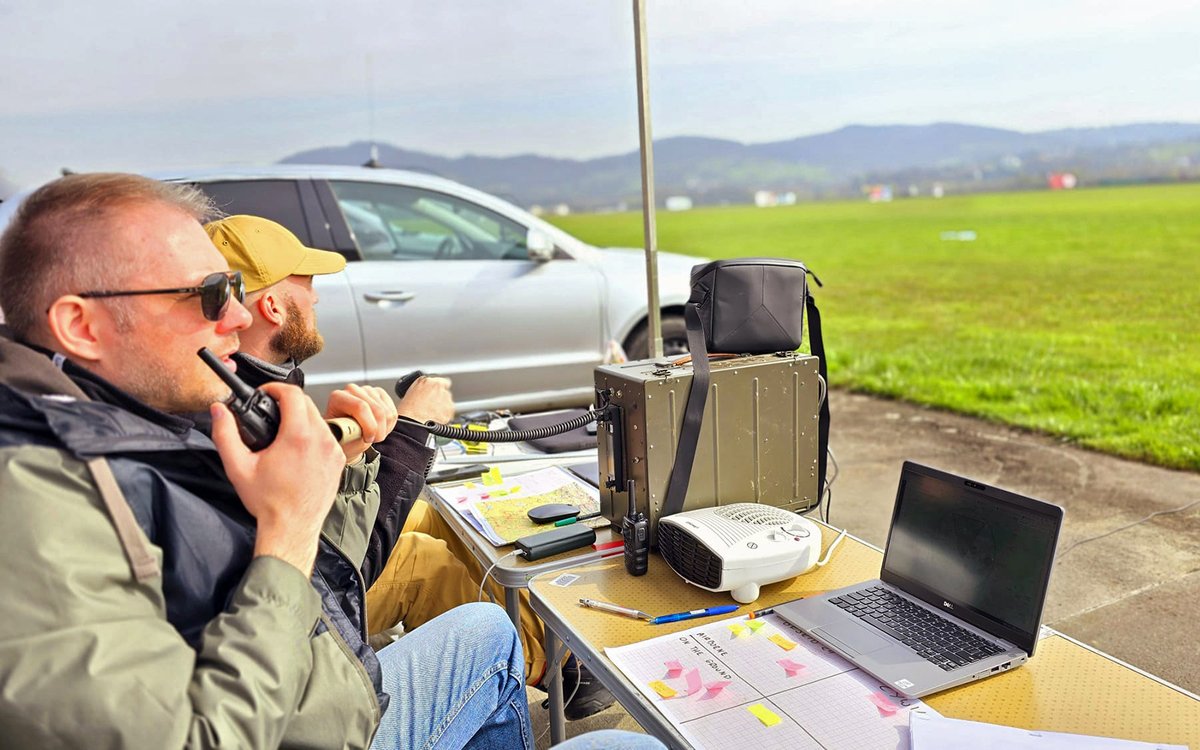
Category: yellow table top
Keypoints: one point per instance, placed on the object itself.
(1065, 686)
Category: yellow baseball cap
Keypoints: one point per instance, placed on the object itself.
(266, 252)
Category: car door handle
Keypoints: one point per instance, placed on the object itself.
(389, 296)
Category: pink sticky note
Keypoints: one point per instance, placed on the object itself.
(713, 688)
(883, 703)
(693, 681)
(674, 668)
(792, 668)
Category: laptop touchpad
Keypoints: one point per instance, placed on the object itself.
(853, 638)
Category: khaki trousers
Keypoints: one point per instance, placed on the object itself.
(430, 572)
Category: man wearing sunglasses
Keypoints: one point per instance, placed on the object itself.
(416, 567)
(162, 589)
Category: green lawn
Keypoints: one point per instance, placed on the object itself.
(1072, 313)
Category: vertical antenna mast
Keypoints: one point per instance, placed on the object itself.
(654, 324)
(373, 161)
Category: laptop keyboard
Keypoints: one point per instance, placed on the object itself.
(935, 639)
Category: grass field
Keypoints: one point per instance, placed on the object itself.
(1072, 313)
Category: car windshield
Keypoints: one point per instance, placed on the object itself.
(393, 222)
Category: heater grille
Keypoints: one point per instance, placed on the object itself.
(688, 557)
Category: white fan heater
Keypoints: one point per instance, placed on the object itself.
(738, 548)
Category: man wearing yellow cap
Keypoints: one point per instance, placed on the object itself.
(413, 576)
(279, 275)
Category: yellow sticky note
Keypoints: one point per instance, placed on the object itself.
(665, 690)
(782, 642)
(514, 489)
(754, 625)
(737, 629)
(470, 485)
(492, 476)
(764, 714)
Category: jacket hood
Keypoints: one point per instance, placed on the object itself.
(27, 369)
(39, 399)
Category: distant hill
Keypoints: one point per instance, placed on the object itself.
(839, 163)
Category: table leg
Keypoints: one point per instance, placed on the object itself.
(512, 605)
(558, 721)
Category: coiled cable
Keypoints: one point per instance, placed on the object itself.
(510, 436)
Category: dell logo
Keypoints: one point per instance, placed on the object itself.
(947, 605)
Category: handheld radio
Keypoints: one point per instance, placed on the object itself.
(257, 413)
(635, 530)
(404, 383)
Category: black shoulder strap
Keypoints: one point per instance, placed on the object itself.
(817, 344)
(693, 414)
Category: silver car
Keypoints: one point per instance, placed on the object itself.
(450, 280)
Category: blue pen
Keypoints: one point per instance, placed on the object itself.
(721, 610)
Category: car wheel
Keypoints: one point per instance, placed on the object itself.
(674, 335)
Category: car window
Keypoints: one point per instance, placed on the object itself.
(394, 222)
(277, 200)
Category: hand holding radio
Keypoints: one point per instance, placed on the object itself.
(288, 485)
(258, 415)
(425, 398)
(369, 412)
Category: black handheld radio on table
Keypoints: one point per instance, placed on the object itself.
(635, 530)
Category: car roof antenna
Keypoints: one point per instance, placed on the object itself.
(373, 162)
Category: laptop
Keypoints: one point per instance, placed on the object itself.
(961, 593)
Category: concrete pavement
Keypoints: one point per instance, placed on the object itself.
(1134, 594)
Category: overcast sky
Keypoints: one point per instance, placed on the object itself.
(135, 85)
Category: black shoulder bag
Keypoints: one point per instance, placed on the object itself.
(745, 306)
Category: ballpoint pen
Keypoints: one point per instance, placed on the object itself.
(760, 613)
(723, 609)
(573, 519)
(636, 614)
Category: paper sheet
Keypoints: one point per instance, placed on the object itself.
(937, 733)
(803, 697)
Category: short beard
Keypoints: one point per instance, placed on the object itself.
(295, 339)
(156, 384)
(170, 391)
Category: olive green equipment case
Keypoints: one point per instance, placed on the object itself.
(758, 440)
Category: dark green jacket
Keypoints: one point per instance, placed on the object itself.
(95, 650)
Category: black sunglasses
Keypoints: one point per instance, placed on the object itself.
(214, 290)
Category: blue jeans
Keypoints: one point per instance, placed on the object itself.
(611, 739)
(456, 682)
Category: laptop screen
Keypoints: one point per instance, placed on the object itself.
(980, 552)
